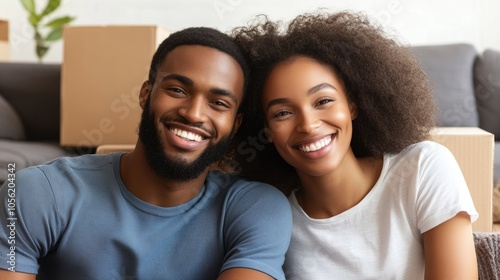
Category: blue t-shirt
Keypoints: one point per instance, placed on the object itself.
(75, 219)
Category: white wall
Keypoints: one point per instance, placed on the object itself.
(416, 22)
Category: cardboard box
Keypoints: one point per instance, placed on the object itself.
(4, 41)
(110, 148)
(473, 150)
(102, 72)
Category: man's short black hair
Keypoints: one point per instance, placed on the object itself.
(203, 36)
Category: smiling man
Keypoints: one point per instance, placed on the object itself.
(158, 212)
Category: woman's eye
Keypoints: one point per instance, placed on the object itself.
(281, 114)
(324, 101)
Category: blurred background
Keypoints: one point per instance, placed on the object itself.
(421, 22)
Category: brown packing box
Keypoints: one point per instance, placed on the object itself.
(102, 72)
(4, 41)
(473, 150)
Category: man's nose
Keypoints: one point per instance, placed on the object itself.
(195, 109)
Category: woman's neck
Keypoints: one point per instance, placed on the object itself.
(326, 196)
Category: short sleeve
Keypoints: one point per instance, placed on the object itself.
(28, 206)
(257, 229)
(442, 191)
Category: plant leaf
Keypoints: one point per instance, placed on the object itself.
(52, 5)
(54, 35)
(29, 5)
(41, 50)
(38, 37)
(59, 22)
(34, 20)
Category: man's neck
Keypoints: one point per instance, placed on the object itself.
(146, 185)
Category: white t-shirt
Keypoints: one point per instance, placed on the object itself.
(381, 237)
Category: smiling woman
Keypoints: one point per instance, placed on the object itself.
(299, 95)
(347, 111)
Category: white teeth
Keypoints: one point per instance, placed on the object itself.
(316, 145)
(187, 135)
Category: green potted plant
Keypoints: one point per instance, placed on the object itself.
(46, 30)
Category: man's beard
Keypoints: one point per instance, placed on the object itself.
(175, 168)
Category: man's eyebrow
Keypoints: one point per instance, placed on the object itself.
(187, 81)
(182, 79)
(225, 92)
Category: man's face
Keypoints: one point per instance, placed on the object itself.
(190, 112)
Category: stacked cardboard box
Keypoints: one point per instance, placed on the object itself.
(102, 72)
(473, 150)
(4, 41)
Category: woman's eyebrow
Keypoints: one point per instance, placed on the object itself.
(319, 87)
(277, 101)
(310, 91)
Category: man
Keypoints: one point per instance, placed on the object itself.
(157, 212)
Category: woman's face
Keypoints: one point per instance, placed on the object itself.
(308, 115)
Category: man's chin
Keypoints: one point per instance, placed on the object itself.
(170, 162)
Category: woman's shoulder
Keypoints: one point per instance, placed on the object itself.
(421, 153)
(425, 148)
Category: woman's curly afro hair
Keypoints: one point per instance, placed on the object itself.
(396, 107)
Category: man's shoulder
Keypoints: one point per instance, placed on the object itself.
(234, 184)
(64, 172)
(84, 162)
(90, 161)
(241, 193)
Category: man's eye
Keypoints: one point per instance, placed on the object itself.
(176, 90)
(222, 104)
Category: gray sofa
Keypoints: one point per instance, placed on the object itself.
(29, 115)
(467, 89)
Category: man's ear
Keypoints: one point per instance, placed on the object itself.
(144, 93)
(237, 123)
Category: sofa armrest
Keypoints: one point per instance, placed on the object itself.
(33, 90)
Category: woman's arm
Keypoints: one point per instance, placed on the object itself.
(449, 250)
(243, 274)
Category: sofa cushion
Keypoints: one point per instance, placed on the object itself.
(487, 79)
(450, 69)
(11, 126)
(24, 154)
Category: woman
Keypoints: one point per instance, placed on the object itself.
(349, 110)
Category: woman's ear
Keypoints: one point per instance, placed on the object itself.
(144, 93)
(353, 108)
(269, 134)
